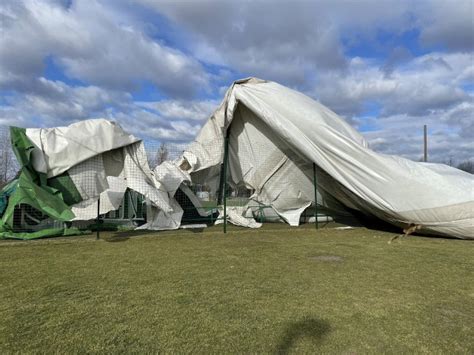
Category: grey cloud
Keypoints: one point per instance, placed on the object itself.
(53, 103)
(167, 120)
(59, 104)
(285, 43)
(420, 98)
(433, 62)
(290, 41)
(91, 45)
(193, 110)
(398, 56)
(296, 43)
(462, 117)
(422, 85)
(152, 126)
(425, 90)
(449, 24)
(403, 135)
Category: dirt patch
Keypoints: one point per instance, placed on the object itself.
(329, 258)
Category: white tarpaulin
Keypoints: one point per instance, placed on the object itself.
(60, 148)
(103, 160)
(275, 136)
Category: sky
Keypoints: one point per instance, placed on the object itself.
(159, 68)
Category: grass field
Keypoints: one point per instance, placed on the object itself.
(274, 290)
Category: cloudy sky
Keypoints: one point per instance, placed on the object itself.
(159, 68)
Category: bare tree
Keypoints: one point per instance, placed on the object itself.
(159, 157)
(162, 154)
(467, 166)
(8, 165)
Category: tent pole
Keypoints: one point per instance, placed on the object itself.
(98, 219)
(224, 176)
(315, 182)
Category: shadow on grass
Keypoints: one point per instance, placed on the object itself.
(196, 230)
(131, 233)
(312, 328)
(116, 239)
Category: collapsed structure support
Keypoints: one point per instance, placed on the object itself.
(223, 181)
(97, 236)
(315, 183)
(224, 185)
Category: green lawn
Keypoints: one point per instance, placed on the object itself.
(273, 290)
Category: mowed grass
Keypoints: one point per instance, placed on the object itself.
(274, 290)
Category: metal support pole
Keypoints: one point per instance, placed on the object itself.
(315, 182)
(224, 176)
(98, 220)
(425, 141)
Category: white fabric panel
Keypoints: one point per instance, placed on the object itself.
(170, 176)
(259, 158)
(102, 159)
(90, 180)
(195, 201)
(58, 149)
(140, 178)
(89, 177)
(110, 200)
(159, 220)
(237, 216)
(400, 191)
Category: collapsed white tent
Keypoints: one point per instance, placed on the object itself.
(275, 136)
(102, 160)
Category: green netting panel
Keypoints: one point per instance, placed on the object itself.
(65, 185)
(50, 232)
(6, 192)
(31, 189)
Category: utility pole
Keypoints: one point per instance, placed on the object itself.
(425, 136)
